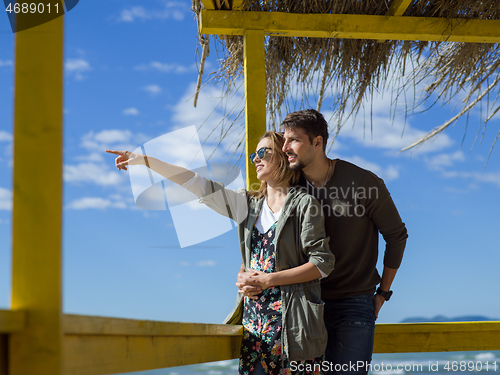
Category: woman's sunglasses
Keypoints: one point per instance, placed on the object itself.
(261, 153)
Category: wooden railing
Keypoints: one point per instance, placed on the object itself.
(97, 345)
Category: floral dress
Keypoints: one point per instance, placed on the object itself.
(262, 318)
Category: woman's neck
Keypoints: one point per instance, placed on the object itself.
(276, 195)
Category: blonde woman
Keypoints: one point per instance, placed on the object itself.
(283, 242)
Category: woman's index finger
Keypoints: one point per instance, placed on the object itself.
(121, 153)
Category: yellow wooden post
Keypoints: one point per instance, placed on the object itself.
(255, 96)
(37, 210)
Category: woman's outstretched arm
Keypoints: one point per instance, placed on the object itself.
(224, 201)
(174, 173)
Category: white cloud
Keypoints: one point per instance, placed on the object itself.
(112, 139)
(201, 263)
(95, 203)
(391, 135)
(130, 111)
(484, 177)
(153, 89)
(166, 67)
(5, 136)
(111, 136)
(5, 199)
(76, 67)
(5, 63)
(99, 174)
(172, 10)
(94, 157)
(439, 162)
(206, 263)
(213, 116)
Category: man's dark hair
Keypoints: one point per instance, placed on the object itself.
(311, 121)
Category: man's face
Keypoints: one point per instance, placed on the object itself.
(298, 148)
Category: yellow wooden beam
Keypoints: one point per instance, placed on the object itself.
(351, 26)
(37, 208)
(12, 321)
(398, 7)
(436, 337)
(96, 345)
(236, 4)
(208, 4)
(95, 325)
(255, 97)
(111, 354)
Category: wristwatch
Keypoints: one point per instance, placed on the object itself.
(386, 295)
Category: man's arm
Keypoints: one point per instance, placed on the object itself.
(387, 278)
(385, 216)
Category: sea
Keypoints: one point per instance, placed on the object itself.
(484, 362)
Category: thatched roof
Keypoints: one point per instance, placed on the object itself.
(351, 69)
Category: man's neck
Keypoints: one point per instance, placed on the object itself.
(319, 171)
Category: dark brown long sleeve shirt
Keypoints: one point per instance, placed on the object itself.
(357, 206)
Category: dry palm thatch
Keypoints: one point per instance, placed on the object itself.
(352, 69)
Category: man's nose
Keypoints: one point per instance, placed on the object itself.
(285, 146)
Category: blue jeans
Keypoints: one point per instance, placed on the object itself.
(350, 323)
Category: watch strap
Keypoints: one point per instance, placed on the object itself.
(383, 293)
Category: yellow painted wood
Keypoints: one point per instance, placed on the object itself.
(398, 7)
(255, 97)
(12, 321)
(351, 26)
(37, 209)
(102, 354)
(96, 345)
(208, 4)
(436, 337)
(95, 325)
(99, 345)
(236, 4)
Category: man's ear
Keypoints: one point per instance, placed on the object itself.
(318, 141)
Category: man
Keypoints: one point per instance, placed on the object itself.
(357, 207)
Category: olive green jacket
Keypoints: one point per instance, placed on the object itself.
(300, 238)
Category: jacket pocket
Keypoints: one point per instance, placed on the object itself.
(306, 331)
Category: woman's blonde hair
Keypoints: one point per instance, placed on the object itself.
(282, 172)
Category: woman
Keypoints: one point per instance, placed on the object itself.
(282, 239)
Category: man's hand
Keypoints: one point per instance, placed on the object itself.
(378, 302)
(246, 284)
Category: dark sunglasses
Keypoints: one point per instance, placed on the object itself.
(261, 153)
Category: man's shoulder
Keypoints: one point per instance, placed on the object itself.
(355, 173)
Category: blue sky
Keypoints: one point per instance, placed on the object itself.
(130, 74)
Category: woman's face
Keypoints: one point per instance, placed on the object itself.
(266, 166)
